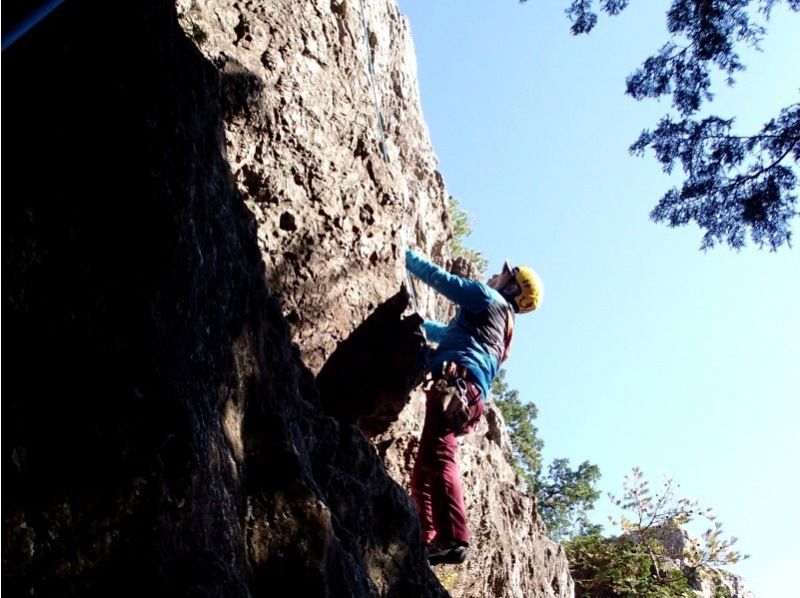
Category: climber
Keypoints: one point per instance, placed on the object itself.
(469, 353)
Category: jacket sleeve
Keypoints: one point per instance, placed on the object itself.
(470, 294)
(434, 331)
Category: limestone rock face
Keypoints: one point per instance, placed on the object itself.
(305, 134)
(210, 359)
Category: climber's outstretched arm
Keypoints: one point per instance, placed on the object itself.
(434, 330)
(470, 294)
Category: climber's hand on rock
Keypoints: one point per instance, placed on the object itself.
(416, 320)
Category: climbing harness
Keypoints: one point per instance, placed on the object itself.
(30, 22)
(450, 385)
(371, 72)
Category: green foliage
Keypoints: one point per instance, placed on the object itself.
(721, 591)
(563, 494)
(734, 184)
(519, 418)
(461, 230)
(615, 567)
(654, 512)
(635, 564)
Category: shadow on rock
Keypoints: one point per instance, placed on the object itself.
(160, 434)
(369, 378)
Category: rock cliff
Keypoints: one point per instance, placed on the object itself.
(209, 357)
(705, 580)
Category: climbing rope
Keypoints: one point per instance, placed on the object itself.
(379, 116)
(371, 73)
(30, 22)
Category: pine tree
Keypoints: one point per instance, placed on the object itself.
(735, 184)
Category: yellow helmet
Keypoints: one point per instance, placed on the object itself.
(531, 290)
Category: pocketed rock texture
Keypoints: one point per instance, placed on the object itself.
(201, 255)
(304, 142)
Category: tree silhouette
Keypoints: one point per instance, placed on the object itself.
(734, 184)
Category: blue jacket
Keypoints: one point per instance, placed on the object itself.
(477, 336)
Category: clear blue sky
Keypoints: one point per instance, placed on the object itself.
(646, 352)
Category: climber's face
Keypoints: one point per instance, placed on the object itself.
(500, 281)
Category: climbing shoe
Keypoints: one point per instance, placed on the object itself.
(452, 555)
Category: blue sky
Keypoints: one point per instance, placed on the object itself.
(646, 352)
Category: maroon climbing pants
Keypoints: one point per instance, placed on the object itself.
(435, 480)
